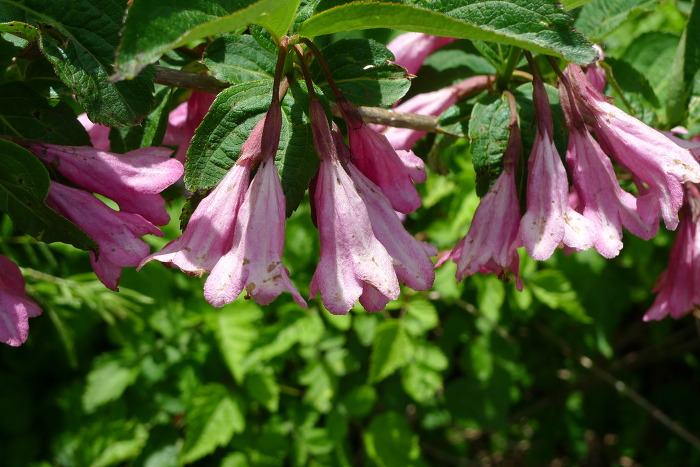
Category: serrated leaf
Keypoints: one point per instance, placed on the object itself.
(391, 350)
(107, 382)
(361, 69)
(421, 316)
(26, 114)
(685, 68)
(389, 441)
(237, 59)
(489, 129)
(216, 145)
(211, 419)
(455, 120)
(601, 17)
(321, 386)
(153, 27)
(20, 29)
(262, 388)
(535, 25)
(236, 330)
(84, 60)
(421, 383)
(24, 185)
(553, 289)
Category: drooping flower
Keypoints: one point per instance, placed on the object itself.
(15, 306)
(412, 48)
(659, 166)
(354, 264)
(549, 220)
(677, 287)
(491, 242)
(433, 104)
(134, 180)
(209, 232)
(601, 199)
(254, 260)
(184, 120)
(117, 233)
(381, 163)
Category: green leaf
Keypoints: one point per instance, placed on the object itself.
(153, 27)
(149, 133)
(535, 25)
(638, 96)
(553, 289)
(236, 330)
(360, 401)
(237, 59)
(231, 118)
(455, 120)
(685, 68)
(83, 60)
(262, 388)
(421, 316)
(26, 114)
(211, 419)
(572, 4)
(107, 382)
(389, 441)
(391, 350)
(361, 70)
(20, 29)
(489, 129)
(652, 54)
(24, 185)
(321, 386)
(598, 19)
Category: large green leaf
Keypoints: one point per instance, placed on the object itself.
(685, 68)
(237, 59)
(536, 25)
(26, 114)
(361, 70)
(601, 17)
(155, 26)
(24, 185)
(391, 350)
(389, 441)
(107, 382)
(228, 124)
(83, 57)
(211, 419)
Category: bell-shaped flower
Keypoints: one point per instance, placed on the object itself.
(677, 287)
(254, 259)
(410, 257)
(491, 242)
(117, 233)
(601, 199)
(354, 264)
(254, 262)
(433, 104)
(376, 158)
(184, 120)
(15, 307)
(412, 48)
(659, 165)
(549, 220)
(134, 180)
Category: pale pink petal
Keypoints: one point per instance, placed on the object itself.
(99, 134)
(15, 307)
(412, 48)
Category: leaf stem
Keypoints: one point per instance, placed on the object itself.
(503, 75)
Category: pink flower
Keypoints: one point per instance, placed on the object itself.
(15, 307)
(659, 166)
(134, 180)
(184, 120)
(209, 232)
(354, 264)
(601, 200)
(549, 220)
(432, 103)
(490, 244)
(677, 287)
(117, 233)
(394, 173)
(254, 261)
(412, 48)
(99, 134)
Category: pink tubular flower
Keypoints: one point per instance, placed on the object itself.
(432, 103)
(117, 233)
(134, 180)
(255, 260)
(659, 165)
(677, 287)
(15, 307)
(490, 244)
(549, 220)
(412, 48)
(601, 200)
(394, 173)
(209, 232)
(184, 120)
(99, 134)
(354, 264)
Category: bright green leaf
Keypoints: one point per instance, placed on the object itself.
(237, 59)
(421, 316)
(599, 18)
(262, 387)
(391, 350)
(686, 64)
(390, 442)
(107, 382)
(236, 330)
